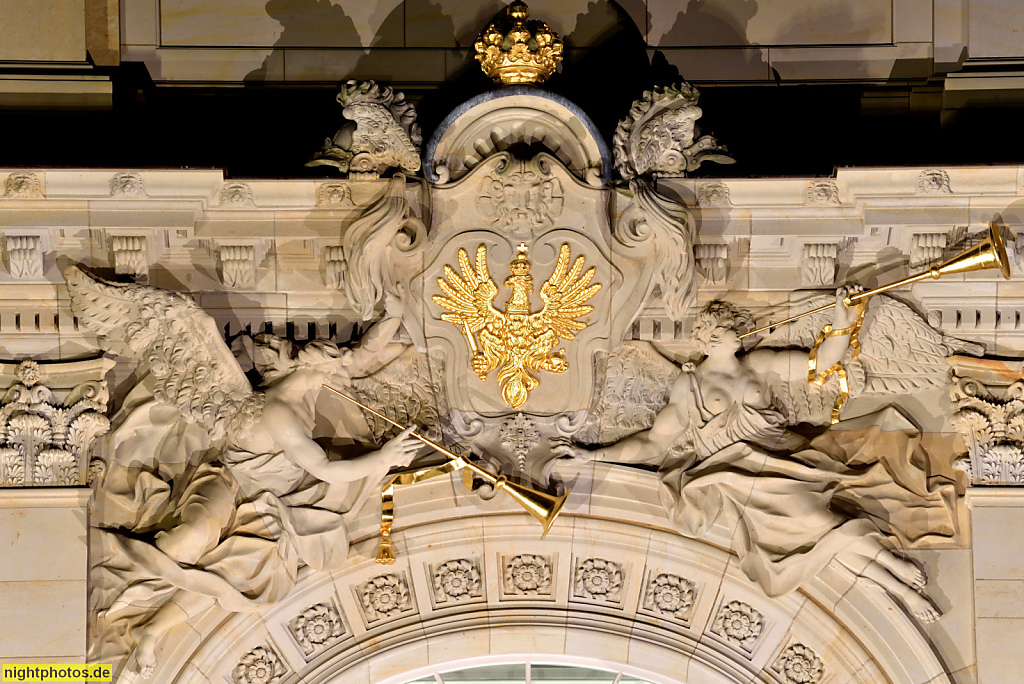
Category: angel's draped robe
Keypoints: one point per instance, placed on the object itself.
(280, 518)
(792, 505)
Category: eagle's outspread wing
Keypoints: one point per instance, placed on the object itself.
(470, 297)
(564, 295)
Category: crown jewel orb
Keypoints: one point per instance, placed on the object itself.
(515, 51)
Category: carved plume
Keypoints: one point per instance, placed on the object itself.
(660, 135)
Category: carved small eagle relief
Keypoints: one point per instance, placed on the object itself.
(518, 342)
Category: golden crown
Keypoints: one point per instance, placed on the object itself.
(514, 51)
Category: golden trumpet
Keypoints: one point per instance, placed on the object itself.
(541, 505)
(987, 254)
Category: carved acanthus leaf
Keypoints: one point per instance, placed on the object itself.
(993, 429)
(25, 255)
(660, 135)
(46, 442)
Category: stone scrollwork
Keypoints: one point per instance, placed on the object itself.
(381, 133)
(993, 429)
(654, 216)
(261, 665)
(799, 665)
(44, 441)
(670, 595)
(385, 596)
(456, 580)
(23, 186)
(527, 575)
(660, 135)
(317, 627)
(598, 580)
(739, 623)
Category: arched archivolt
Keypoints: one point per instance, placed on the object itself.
(504, 119)
(609, 583)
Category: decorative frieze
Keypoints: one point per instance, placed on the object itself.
(456, 581)
(798, 664)
(45, 441)
(261, 665)
(128, 184)
(818, 263)
(527, 575)
(739, 623)
(822, 193)
(713, 195)
(926, 248)
(24, 255)
(236, 195)
(317, 627)
(993, 429)
(598, 580)
(333, 195)
(23, 186)
(933, 182)
(385, 596)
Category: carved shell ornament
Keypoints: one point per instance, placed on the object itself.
(518, 342)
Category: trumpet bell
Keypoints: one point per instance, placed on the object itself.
(541, 505)
(987, 254)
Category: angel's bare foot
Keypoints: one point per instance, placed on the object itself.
(918, 605)
(145, 656)
(904, 570)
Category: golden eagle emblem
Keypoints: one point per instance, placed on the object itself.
(518, 341)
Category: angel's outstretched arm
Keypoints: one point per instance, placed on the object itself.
(649, 446)
(290, 436)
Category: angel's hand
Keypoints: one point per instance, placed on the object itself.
(401, 449)
(844, 315)
(573, 453)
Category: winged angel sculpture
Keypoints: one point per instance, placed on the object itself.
(215, 493)
(721, 431)
(518, 340)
